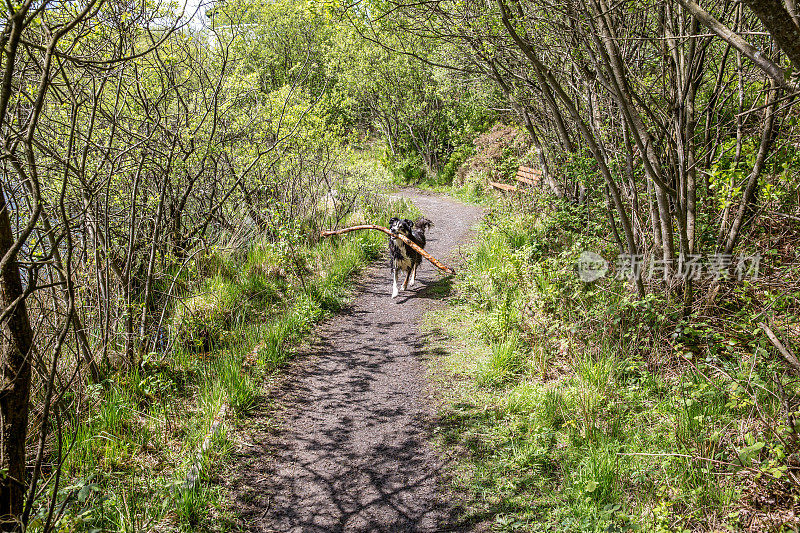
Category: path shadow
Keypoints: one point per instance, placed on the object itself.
(439, 289)
(353, 451)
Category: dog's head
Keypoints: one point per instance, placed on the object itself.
(401, 225)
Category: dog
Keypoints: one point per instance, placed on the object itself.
(403, 257)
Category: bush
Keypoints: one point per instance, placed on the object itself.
(407, 170)
(457, 158)
(496, 156)
(203, 320)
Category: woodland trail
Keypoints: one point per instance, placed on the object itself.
(346, 445)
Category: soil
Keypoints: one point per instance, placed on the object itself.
(345, 444)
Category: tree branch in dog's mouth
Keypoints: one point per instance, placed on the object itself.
(435, 262)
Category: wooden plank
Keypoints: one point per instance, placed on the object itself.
(503, 186)
(534, 177)
(529, 176)
(529, 170)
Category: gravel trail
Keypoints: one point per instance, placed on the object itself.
(348, 448)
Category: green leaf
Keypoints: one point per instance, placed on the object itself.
(86, 491)
(747, 453)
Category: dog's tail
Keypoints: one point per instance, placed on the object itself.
(422, 224)
(418, 233)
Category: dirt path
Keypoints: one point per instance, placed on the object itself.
(351, 451)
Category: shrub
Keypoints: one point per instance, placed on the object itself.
(407, 170)
(457, 158)
(496, 155)
(203, 320)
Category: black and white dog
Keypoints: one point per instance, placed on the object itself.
(404, 257)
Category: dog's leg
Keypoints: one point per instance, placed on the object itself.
(408, 273)
(413, 274)
(394, 284)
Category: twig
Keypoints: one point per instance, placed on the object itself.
(699, 458)
(784, 351)
(435, 262)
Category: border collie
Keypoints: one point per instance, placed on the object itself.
(404, 257)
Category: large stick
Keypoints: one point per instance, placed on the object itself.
(435, 262)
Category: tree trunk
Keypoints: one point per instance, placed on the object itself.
(768, 134)
(791, 8)
(545, 77)
(723, 32)
(16, 342)
(781, 26)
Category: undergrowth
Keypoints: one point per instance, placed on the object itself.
(573, 406)
(242, 314)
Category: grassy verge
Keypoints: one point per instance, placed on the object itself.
(242, 313)
(575, 407)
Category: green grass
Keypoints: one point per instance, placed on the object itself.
(570, 408)
(504, 361)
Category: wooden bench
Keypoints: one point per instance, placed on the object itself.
(529, 176)
(525, 175)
